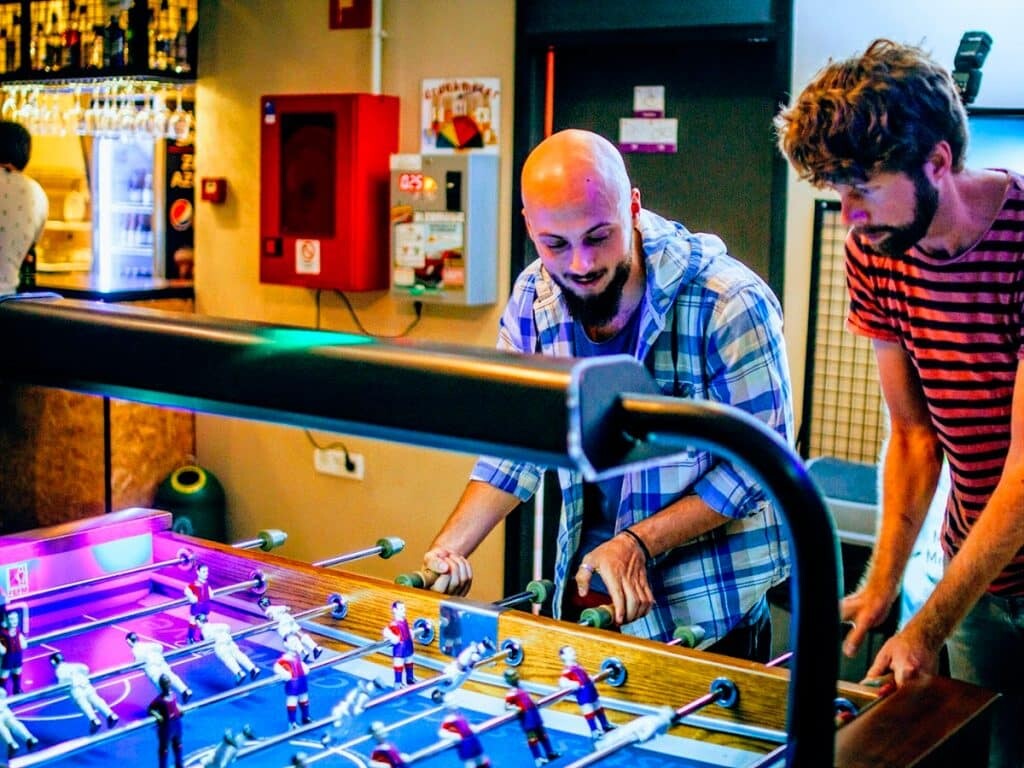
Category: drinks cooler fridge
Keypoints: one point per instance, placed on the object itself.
(142, 209)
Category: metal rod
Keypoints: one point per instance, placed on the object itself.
(180, 560)
(385, 548)
(666, 425)
(78, 629)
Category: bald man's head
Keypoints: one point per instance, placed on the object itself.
(573, 168)
(578, 207)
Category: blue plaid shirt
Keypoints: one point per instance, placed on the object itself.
(729, 349)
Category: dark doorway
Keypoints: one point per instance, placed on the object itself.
(725, 68)
(719, 180)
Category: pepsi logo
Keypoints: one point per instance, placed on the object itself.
(180, 214)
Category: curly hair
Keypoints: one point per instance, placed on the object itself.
(884, 110)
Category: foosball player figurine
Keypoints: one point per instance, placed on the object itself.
(293, 670)
(349, 708)
(574, 676)
(11, 726)
(151, 655)
(84, 695)
(200, 597)
(530, 720)
(226, 649)
(385, 754)
(456, 727)
(287, 625)
(227, 749)
(397, 633)
(13, 642)
(168, 722)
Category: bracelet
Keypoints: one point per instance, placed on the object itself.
(648, 560)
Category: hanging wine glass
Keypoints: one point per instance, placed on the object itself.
(28, 109)
(108, 112)
(126, 113)
(180, 123)
(144, 117)
(10, 106)
(161, 116)
(92, 113)
(74, 120)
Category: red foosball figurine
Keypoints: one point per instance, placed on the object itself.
(13, 642)
(456, 727)
(574, 676)
(400, 636)
(385, 754)
(168, 722)
(293, 670)
(529, 719)
(199, 596)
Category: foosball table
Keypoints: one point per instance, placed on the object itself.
(135, 643)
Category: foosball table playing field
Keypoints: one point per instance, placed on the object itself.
(88, 585)
(126, 641)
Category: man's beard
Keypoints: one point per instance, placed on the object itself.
(599, 309)
(902, 239)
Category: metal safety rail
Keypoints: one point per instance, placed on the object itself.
(600, 416)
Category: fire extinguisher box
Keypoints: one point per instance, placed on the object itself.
(324, 181)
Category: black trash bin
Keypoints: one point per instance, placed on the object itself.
(195, 498)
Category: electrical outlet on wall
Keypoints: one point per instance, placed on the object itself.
(331, 461)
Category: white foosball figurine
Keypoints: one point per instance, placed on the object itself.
(287, 625)
(84, 695)
(226, 649)
(151, 655)
(11, 726)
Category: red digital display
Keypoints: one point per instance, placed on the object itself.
(410, 182)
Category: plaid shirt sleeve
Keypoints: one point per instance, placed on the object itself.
(516, 334)
(746, 368)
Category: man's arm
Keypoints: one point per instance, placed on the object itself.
(992, 542)
(745, 365)
(622, 564)
(478, 512)
(906, 494)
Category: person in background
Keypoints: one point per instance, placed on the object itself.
(23, 204)
(933, 263)
(693, 540)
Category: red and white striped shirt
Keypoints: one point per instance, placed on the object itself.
(960, 320)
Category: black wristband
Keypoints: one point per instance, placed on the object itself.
(648, 560)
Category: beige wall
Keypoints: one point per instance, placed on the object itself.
(249, 48)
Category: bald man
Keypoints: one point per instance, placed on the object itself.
(693, 540)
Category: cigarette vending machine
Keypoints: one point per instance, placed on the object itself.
(444, 228)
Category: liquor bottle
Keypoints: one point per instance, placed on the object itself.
(96, 48)
(37, 49)
(181, 43)
(12, 44)
(5, 65)
(71, 40)
(113, 50)
(151, 38)
(164, 36)
(129, 33)
(54, 49)
(27, 272)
